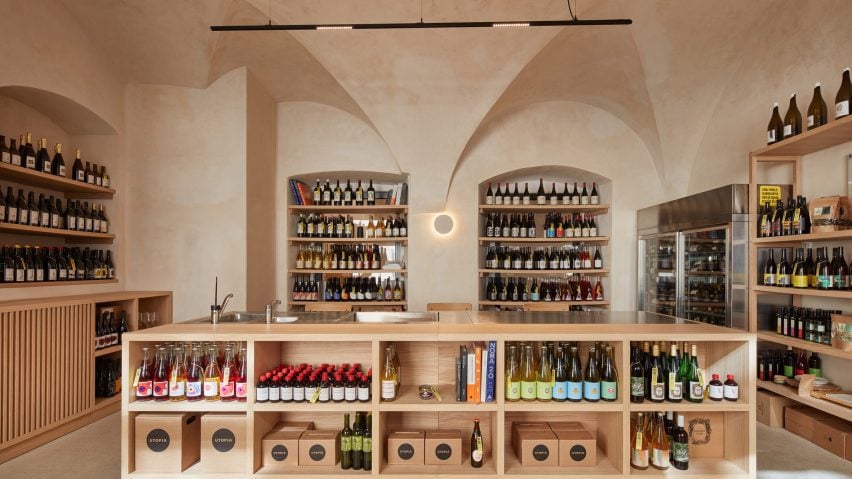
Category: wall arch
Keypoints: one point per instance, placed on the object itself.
(67, 113)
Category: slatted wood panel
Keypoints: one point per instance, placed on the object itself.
(46, 374)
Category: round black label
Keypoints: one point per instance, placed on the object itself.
(317, 452)
(541, 452)
(578, 453)
(279, 452)
(443, 451)
(157, 440)
(405, 451)
(224, 440)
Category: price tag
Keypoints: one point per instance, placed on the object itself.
(136, 377)
(226, 375)
(701, 378)
(653, 375)
(672, 380)
(638, 440)
(314, 396)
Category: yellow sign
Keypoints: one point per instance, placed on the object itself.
(769, 194)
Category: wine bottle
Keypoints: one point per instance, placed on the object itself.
(674, 386)
(346, 444)
(639, 451)
(177, 378)
(793, 119)
(161, 376)
(609, 376)
(817, 110)
(784, 271)
(696, 379)
(368, 443)
(841, 270)
(824, 271)
(358, 442)
(680, 445)
(489, 195)
(5, 153)
(594, 199)
(526, 198)
(477, 446)
(637, 376)
(770, 270)
(844, 96)
(656, 377)
(212, 377)
(528, 375)
(347, 193)
(513, 375)
(389, 376)
(553, 197)
(660, 448)
(541, 197)
(359, 194)
(775, 129)
(14, 153)
(77, 171)
(28, 155)
(584, 196)
(143, 382)
(544, 377)
(592, 379)
(371, 194)
(43, 163)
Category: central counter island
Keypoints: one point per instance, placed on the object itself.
(427, 352)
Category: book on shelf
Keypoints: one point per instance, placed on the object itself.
(302, 194)
(491, 371)
(476, 370)
(296, 197)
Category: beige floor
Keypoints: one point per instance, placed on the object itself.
(93, 452)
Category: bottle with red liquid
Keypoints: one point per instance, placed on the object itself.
(337, 389)
(599, 291)
(227, 386)
(161, 376)
(144, 384)
(242, 378)
(194, 376)
(287, 388)
(299, 388)
(801, 364)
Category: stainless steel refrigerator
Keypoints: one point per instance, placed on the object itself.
(693, 257)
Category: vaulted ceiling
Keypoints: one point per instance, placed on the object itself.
(429, 93)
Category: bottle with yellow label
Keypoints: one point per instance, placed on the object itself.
(800, 274)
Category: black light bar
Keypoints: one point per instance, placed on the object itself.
(418, 25)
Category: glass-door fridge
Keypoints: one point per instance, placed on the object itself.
(693, 257)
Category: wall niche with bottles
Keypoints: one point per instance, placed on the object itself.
(56, 194)
(348, 241)
(544, 240)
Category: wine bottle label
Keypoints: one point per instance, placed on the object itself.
(783, 279)
(211, 387)
(498, 200)
(810, 121)
(193, 389)
(25, 216)
(262, 393)
(770, 136)
(788, 130)
(695, 390)
(161, 388)
(286, 393)
(30, 162)
(609, 390)
(815, 372)
(639, 457)
(560, 390)
(274, 393)
(800, 281)
(660, 458)
(541, 200)
(825, 281)
(6, 157)
(177, 388)
(716, 392)
(8, 275)
(637, 386)
(595, 200)
(841, 108)
(769, 279)
(591, 390)
(39, 275)
(489, 200)
(16, 159)
(528, 390)
(840, 281)
(350, 394)
(543, 391)
(367, 444)
(144, 389)
(337, 394)
(363, 393)
(388, 389)
(681, 452)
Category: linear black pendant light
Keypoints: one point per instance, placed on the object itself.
(572, 22)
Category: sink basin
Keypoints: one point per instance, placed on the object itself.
(283, 319)
(396, 317)
(240, 317)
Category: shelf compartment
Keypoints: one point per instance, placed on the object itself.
(349, 240)
(67, 234)
(186, 406)
(605, 427)
(820, 293)
(421, 421)
(793, 239)
(307, 407)
(536, 208)
(686, 406)
(698, 468)
(823, 349)
(109, 350)
(545, 272)
(521, 303)
(377, 209)
(842, 412)
(831, 134)
(590, 239)
(353, 303)
(56, 283)
(38, 179)
(409, 400)
(567, 406)
(347, 271)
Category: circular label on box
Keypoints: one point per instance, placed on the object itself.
(541, 452)
(279, 452)
(578, 453)
(157, 440)
(443, 451)
(224, 440)
(405, 451)
(317, 452)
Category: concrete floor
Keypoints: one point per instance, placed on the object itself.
(94, 452)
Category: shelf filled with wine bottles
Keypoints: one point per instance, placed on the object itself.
(558, 239)
(349, 241)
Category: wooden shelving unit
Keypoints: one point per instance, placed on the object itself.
(792, 152)
(67, 186)
(395, 247)
(427, 354)
(106, 351)
(57, 283)
(519, 304)
(595, 209)
(546, 272)
(543, 241)
(353, 303)
(67, 234)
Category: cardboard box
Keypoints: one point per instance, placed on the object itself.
(406, 447)
(566, 426)
(525, 426)
(280, 449)
(318, 447)
(706, 434)
(167, 442)
(537, 447)
(829, 213)
(577, 448)
(293, 426)
(770, 408)
(443, 447)
(223, 443)
(833, 435)
(801, 420)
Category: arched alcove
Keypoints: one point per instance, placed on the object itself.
(69, 115)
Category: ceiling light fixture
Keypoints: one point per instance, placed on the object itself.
(422, 25)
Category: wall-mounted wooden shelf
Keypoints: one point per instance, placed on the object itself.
(842, 412)
(353, 303)
(544, 272)
(597, 209)
(331, 272)
(67, 234)
(109, 350)
(771, 241)
(686, 406)
(521, 303)
(543, 241)
(360, 210)
(186, 406)
(820, 293)
(350, 240)
(797, 343)
(556, 406)
(831, 134)
(38, 179)
(57, 283)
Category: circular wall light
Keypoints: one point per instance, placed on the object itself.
(443, 224)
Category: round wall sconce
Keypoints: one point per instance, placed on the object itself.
(443, 224)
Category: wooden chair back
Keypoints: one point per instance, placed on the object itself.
(449, 307)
